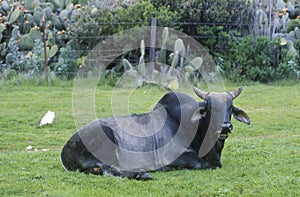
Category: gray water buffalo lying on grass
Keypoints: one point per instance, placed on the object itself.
(179, 133)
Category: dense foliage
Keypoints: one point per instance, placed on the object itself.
(260, 60)
(93, 27)
(211, 21)
(223, 27)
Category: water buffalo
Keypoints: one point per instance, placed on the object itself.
(179, 133)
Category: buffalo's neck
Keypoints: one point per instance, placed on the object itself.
(200, 134)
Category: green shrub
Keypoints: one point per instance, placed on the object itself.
(30, 63)
(289, 69)
(211, 21)
(216, 43)
(293, 24)
(66, 66)
(297, 45)
(247, 62)
(93, 26)
(260, 60)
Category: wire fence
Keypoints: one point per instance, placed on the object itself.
(69, 36)
(240, 28)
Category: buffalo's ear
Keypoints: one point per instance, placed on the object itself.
(198, 114)
(240, 115)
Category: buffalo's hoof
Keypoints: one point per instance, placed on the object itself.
(205, 165)
(146, 176)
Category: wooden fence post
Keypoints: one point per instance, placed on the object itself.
(152, 47)
(45, 52)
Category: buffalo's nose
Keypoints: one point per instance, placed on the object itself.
(227, 127)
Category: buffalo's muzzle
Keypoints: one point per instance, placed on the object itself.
(227, 128)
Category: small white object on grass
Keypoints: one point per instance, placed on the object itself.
(29, 148)
(47, 118)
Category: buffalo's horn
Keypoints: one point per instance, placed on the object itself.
(236, 92)
(200, 93)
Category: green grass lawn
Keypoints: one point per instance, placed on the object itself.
(262, 159)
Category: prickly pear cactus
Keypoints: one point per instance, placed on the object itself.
(3, 49)
(163, 53)
(280, 5)
(141, 67)
(297, 32)
(179, 54)
(21, 20)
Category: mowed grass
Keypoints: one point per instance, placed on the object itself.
(262, 159)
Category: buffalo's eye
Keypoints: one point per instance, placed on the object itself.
(202, 111)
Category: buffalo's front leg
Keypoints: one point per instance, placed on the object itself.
(142, 175)
(190, 160)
